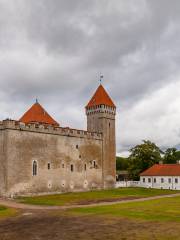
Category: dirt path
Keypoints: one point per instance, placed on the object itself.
(13, 204)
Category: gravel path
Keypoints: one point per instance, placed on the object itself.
(14, 204)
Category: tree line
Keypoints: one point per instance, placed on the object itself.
(143, 156)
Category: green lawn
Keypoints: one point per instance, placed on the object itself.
(93, 196)
(165, 209)
(7, 212)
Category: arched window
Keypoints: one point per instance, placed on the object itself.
(34, 168)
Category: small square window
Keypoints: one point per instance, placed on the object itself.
(162, 180)
(176, 180)
(49, 166)
(169, 180)
(144, 180)
(94, 164)
(72, 168)
(154, 180)
(149, 180)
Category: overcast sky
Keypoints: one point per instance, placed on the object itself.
(55, 50)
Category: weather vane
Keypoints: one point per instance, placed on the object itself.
(101, 77)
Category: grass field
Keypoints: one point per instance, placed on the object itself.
(93, 196)
(7, 212)
(165, 209)
(152, 219)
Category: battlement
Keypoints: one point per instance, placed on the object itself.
(48, 129)
(100, 109)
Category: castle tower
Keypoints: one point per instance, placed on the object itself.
(101, 113)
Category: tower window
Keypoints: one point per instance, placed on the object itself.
(85, 167)
(94, 164)
(79, 156)
(109, 124)
(77, 146)
(34, 168)
(72, 167)
(63, 165)
(49, 166)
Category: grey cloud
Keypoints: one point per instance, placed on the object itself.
(55, 50)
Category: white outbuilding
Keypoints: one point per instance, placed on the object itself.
(162, 176)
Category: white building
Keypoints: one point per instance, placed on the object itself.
(163, 176)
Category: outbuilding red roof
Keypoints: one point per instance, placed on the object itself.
(37, 114)
(100, 97)
(162, 170)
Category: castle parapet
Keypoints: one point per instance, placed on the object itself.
(100, 109)
(48, 129)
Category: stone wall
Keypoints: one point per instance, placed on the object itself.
(2, 162)
(57, 148)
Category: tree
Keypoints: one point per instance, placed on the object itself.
(177, 155)
(121, 163)
(170, 155)
(143, 156)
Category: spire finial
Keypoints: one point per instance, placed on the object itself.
(101, 77)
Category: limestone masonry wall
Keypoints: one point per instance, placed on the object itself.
(2, 162)
(67, 159)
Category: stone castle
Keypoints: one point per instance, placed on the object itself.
(37, 155)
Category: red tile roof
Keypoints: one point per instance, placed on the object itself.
(37, 114)
(100, 97)
(162, 170)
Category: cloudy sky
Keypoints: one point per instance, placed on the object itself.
(55, 50)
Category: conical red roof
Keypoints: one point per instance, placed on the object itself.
(100, 97)
(37, 114)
